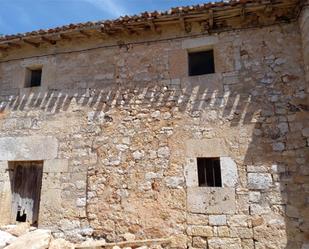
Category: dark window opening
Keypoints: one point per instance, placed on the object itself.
(209, 172)
(201, 63)
(34, 78)
(21, 216)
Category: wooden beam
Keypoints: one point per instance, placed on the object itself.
(14, 45)
(243, 13)
(103, 32)
(33, 44)
(65, 37)
(3, 52)
(84, 33)
(211, 18)
(153, 27)
(182, 23)
(269, 10)
(52, 42)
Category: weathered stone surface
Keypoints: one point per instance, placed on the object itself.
(19, 229)
(205, 148)
(259, 180)
(6, 238)
(38, 239)
(229, 173)
(60, 244)
(199, 242)
(211, 200)
(224, 243)
(91, 243)
(56, 166)
(200, 42)
(130, 123)
(129, 236)
(28, 148)
(203, 231)
(217, 220)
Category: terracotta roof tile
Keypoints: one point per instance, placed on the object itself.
(144, 16)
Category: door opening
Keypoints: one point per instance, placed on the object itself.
(26, 183)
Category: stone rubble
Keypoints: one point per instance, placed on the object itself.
(33, 238)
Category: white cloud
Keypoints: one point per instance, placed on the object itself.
(108, 6)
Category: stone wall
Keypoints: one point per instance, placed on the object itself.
(129, 124)
(304, 28)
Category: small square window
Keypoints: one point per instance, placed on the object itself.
(209, 172)
(34, 77)
(201, 63)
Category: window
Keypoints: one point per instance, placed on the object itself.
(201, 63)
(34, 77)
(209, 172)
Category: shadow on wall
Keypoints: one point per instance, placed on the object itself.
(276, 157)
(192, 99)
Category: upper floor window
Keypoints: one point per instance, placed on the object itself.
(201, 62)
(209, 172)
(33, 77)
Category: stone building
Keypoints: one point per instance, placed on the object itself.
(190, 124)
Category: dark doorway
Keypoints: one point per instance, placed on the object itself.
(26, 182)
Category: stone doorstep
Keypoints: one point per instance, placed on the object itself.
(133, 244)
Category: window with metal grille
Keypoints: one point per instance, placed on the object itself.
(34, 77)
(201, 62)
(209, 172)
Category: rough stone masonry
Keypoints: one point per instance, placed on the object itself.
(116, 127)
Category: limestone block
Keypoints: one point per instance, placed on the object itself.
(223, 231)
(90, 243)
(254, 196)
(256, 209)
(174, 181)
(19, 229)
(259, 180)
(224, 243)
(56, 166)
(38, 239)
(179, 241)
(199, 43)
(270, 236)
(5, 200)
(238, 220)
(197, 219)
(205, 148)
(217, 220)
(3, 167)
(247, 243)
(204, 231)
(229, 173)
(191, 174)
(60, 244)
(278, 146)
(178, 64)
(6, 238)
(241, 232)
(129, 236)
(200, 84)
(211, 200)
(28, 148)
(51, 203)
(231, 78)
(199, 242)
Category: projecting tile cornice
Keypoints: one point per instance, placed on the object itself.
(210, 17)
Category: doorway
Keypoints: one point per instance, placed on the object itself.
(26, 183)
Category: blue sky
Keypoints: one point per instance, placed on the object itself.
(18, 16)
